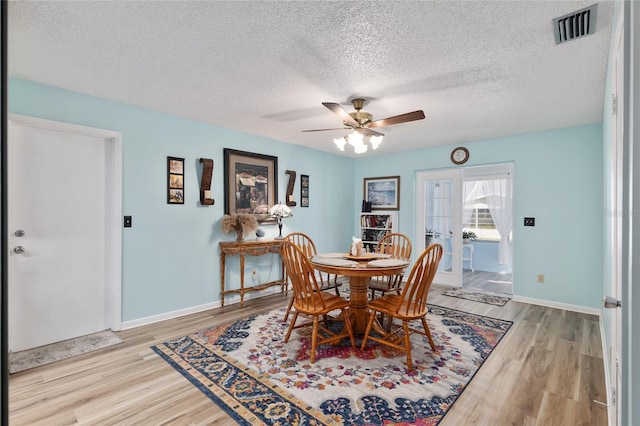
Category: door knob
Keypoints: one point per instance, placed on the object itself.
(612, 302)
(19, 249)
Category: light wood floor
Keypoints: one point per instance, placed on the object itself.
(547, 370)
(489, 281)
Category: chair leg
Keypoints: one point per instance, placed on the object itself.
(407, 343)
(372, 316)
(347, 324)
(426, 328)
(293, 322)
(314, 339)
(286, 315)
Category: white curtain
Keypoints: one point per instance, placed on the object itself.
(471, 191)
(499, 194)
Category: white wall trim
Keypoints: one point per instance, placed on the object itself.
(558, 305)
(195, 309)
(169, 315)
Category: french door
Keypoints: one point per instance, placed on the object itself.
(439, 219)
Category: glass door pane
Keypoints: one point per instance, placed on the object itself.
(439, 220)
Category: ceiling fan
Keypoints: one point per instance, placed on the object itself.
(362, 123)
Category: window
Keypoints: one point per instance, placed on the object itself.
(481, 223)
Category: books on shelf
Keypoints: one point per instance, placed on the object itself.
(376, 221)
(373, 235)
(375, 225)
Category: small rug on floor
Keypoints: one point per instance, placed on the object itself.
(42, 355)
(246, 368)
(479, 296)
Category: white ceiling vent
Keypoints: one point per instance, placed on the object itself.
(575, 25)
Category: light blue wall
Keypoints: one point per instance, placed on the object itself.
(557, 180)
(170, 255)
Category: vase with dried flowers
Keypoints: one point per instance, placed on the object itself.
(242, 223)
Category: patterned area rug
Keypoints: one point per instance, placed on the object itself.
(479, 296)
(42, 355)
(247, 369)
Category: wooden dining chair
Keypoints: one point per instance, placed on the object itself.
(308, 247)
(410, 305)
(310, 300)
(399, 247)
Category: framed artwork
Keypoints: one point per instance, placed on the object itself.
(175, 180)
(250, 183)
(304, 190)
(383, 192)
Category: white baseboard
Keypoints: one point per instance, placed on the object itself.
(195, 309)
(558, 305)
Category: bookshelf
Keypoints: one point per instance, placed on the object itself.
(375, 225)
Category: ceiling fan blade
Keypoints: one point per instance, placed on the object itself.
(337, 108)
(369, 132)
(397, 119)
(324, 130)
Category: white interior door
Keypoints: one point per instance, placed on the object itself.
(439, 220)
(615, 365)
(60, 222)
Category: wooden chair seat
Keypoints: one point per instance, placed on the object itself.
(410, 305)
(309, 300)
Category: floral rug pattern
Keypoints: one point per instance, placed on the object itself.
(479, 296)
(248, 370)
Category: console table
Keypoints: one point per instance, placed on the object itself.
(251, 248)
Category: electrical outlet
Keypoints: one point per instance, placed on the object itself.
(540, 278)
(254, 276)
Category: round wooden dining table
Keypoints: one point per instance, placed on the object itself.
(359, 277)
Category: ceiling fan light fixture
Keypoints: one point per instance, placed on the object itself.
(360, 149)
(355, 139)
(362, 124)
(340, 143)
(375, 141)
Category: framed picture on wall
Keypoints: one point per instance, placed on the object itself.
(250, 183)
(304, 190)
(175, 180)
(382, 192)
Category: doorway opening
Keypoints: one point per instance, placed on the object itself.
(469, 211)
(487, 228)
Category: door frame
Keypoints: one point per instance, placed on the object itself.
(113, 214)
(615, 355)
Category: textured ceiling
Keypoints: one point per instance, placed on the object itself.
(478, 69)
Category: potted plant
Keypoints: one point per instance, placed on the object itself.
(467, 236)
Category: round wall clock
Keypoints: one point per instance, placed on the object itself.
(459, 155)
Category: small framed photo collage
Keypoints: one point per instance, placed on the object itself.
(175, 180)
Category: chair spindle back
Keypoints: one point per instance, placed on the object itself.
(413, 300)
(302, 276)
